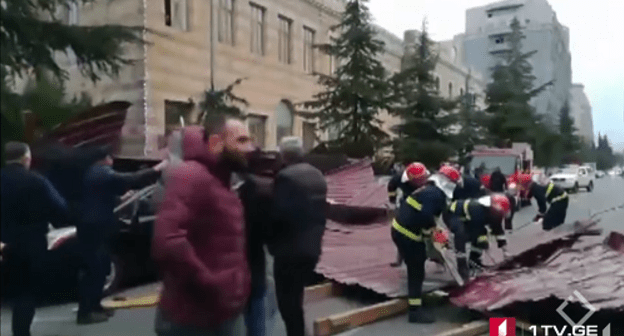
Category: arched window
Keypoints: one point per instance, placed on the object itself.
(450, 90)
(283, 120)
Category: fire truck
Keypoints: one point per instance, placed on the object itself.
(512, 160)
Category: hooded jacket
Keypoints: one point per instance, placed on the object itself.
(199, 241)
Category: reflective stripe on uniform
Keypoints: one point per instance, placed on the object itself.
(392, 193)
(415, 302)
(466, 212)
(482, 239)
(453, 207)
(414, 203)
(549, 189)
(501, 237)
(559, 198)
(407, 233)
(427, 232)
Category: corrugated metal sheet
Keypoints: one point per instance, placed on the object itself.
(346, 182)
(586, 265)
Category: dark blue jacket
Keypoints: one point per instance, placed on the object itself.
(395, 184)
(102, 185)
(420, 215)
(476, 217)
(29, 203)
(540, 193)
(472, 188)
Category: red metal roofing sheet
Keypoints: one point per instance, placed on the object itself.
(594, 269)
(346, 182)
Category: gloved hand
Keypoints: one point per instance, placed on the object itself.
(538, 217)
(440, 236)
(501, 243)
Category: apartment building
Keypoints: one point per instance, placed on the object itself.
(486, 38)
(581, 111)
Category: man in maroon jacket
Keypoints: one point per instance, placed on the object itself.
(199, 238)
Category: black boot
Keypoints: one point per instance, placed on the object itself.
(91, 318)
(420, 315)
(108, 312)
(398, 262)
(462, 268)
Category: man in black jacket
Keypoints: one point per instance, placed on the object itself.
(29, 203)
(300, 212)
(256, 194)
(498, 181)
(97, 224)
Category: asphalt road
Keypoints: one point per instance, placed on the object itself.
(60, 319)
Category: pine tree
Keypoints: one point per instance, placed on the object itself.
(31, 35)
(425, 131)
(571, 144)
(509, 94)
(222, 102)
(354, 96)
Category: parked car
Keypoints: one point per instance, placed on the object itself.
(600, 174)
(573, 178)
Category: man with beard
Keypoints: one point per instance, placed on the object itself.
(199, 238)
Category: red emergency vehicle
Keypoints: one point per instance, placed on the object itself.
(513, 160)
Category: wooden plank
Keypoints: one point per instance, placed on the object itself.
(340, 322)
(470, 329)
(312, 294)
(322, 291)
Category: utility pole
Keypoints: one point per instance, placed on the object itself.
(212, 45)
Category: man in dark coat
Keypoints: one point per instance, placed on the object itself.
(300, 212)
(97, 224)
(256, 194)
(498, 181)
(29, 203)
(470, 188)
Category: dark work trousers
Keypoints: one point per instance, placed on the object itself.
(555, 215)
(415, 255)
(92, 277)
(460, 236)
(291, 277)
(26, 274)
(509, 221)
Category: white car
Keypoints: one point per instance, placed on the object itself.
(573, 178)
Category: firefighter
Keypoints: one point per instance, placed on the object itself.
(546, 193)
(413, 177)
(414, 225)
(470, 188)
(513, 201)
(469, 220)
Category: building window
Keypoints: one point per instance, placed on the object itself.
(257, 129)
(226, 21)
(461, 92)
(308, 49)
(176, 14)
(283, 120)
(285, 39)
(173, 111)
(499, 40)
(309, 136)
(74, 14)
(450, 90)
(257, 29)
(437, 83)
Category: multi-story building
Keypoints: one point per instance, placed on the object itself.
(486, 39)
(581, 111)
(453, 77)
(270, 43)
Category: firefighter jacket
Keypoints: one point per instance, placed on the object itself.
(417, 212)
(546, 194)
(477, 217)
(471, 188)
(398, 182)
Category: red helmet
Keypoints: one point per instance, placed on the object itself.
(525, 180)
(485, 180)
(501, 204)
(417, 172)
(451, 173)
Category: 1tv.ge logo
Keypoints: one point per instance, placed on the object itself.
(507, 326)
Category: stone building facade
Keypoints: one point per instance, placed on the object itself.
(485, 38)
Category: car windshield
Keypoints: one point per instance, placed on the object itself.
(507, 164)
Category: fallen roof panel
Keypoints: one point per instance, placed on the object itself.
(589, 266)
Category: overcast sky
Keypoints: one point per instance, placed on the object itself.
(596, 43)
